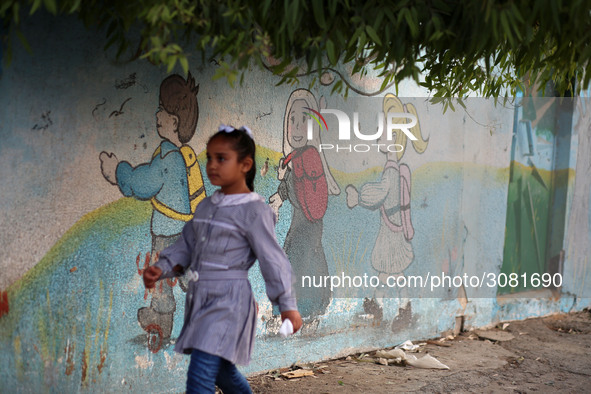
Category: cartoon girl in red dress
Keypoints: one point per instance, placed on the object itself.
(306, 182)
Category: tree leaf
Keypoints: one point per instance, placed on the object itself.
(456, 47)
(184, 63)
(506, 27)
(35, 6)
(318, 9)
(373, 34)
(16, 12)
(330, 50)
(266, 6)
(24, 41)
(171, 61)
(51, 6)
(412, 22)
(75, 6)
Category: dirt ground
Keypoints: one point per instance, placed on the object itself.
(549, 354)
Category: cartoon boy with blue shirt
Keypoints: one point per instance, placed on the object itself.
(172, 181)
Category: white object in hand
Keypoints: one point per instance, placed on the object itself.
(286, 328)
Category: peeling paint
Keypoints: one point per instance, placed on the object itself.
(70, 352)
(143, 362)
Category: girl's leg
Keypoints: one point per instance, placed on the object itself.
(230, 380)
(203, 371)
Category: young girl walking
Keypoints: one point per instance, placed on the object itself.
(230, 230)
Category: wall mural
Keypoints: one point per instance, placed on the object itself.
(173, 183)
(91, 194)
(392, 252)
(306, 181)
(105, 320)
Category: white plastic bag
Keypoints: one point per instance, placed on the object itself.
(286, 328)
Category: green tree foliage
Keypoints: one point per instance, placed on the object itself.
(451, 47)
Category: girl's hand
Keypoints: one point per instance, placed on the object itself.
(151, 275)
(178, 269)
(295, 318)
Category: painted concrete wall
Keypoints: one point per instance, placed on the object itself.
(74, 246)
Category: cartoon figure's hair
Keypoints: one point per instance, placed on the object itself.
(394, 105)
(310, 100)
(179, 97)
(244, 146)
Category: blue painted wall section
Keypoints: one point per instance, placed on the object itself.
(396, 237)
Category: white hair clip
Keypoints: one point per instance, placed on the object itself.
(229, 129)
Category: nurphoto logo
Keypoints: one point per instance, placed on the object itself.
(394, 121)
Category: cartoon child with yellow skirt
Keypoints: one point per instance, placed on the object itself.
(393, 251)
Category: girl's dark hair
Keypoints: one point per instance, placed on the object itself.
(244, 146)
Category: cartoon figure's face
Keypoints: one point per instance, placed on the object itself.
(297, 128)
(166, 124)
